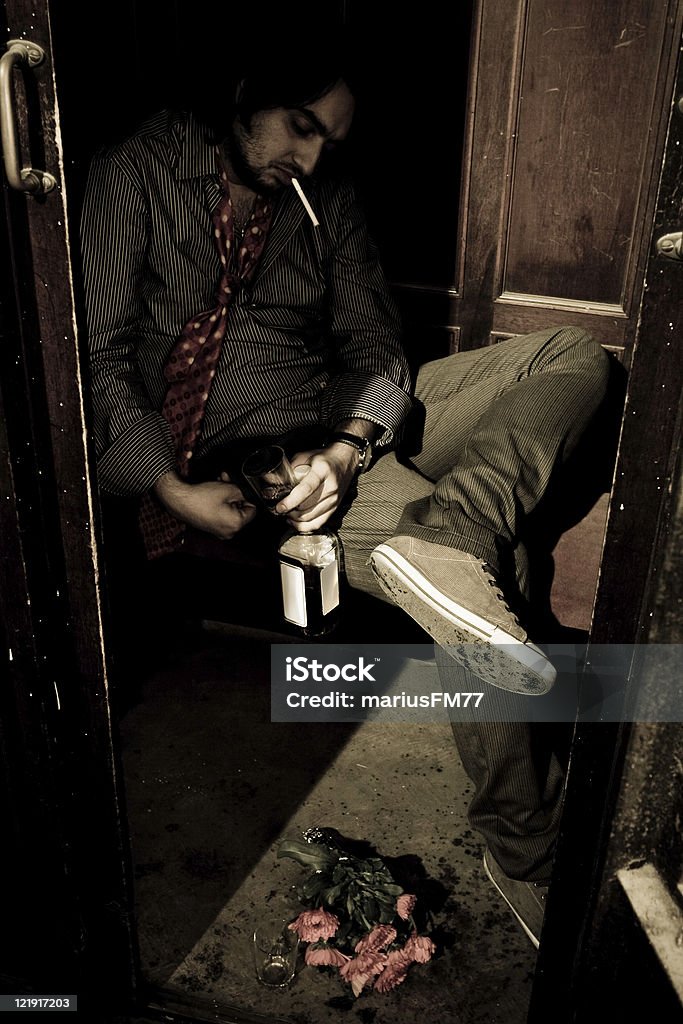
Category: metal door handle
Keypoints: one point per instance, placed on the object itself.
(27, 179)
(671, 245)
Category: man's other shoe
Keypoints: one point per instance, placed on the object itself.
(526, 899)
(456, 598)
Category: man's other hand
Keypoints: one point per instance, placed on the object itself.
(215, 506)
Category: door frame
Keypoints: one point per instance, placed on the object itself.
(69, 883)
(640, 547)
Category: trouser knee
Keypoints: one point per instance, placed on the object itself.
(577, 343)
(596, 363)
(574, 348)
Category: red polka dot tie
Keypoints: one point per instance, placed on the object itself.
(191, 365)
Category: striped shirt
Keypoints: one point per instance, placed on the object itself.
(313, 339)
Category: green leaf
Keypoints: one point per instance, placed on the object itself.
(370, 908)
(360, 916)
(311, 856)
(330, 896)
(312, 887)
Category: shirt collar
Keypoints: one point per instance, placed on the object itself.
(197, 155)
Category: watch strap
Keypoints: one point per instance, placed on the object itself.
(361, 444)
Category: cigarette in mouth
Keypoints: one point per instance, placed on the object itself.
(307, 205)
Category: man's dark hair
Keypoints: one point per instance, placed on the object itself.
(291, 71)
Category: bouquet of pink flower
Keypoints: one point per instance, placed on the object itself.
(359, 919)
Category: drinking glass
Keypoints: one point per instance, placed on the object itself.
(270, 474)
(275, 951)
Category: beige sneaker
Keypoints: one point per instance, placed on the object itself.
(526, 900)
(456, 598)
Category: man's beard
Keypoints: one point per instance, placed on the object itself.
(240, 166)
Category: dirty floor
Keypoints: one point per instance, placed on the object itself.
(213, 785)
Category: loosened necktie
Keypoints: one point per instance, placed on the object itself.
(192, 362)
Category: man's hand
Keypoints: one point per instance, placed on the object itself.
(217, 507)
(310, 504)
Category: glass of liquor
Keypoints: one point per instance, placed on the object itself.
(270, 474)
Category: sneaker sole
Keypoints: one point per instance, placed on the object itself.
(523, 923)
(486, 650)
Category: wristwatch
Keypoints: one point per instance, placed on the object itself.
(361, 444)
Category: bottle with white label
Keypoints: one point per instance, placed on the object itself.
(309, 574)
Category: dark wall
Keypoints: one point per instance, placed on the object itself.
(408, 136)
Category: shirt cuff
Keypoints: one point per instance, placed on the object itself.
(137, 458)
(367, 397)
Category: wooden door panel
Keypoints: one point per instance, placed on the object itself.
(586, 103)
(566, 130)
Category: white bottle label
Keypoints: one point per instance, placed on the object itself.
(329, 585)
(293, 594)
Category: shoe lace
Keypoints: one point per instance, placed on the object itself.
(493, 582)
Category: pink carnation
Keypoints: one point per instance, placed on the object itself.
(325, 956)
(359, 981)
(394, 972)
(405, 905)
(380, 936)
(419, 948)
(362, 969)
(315, 925)
(369, 962)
